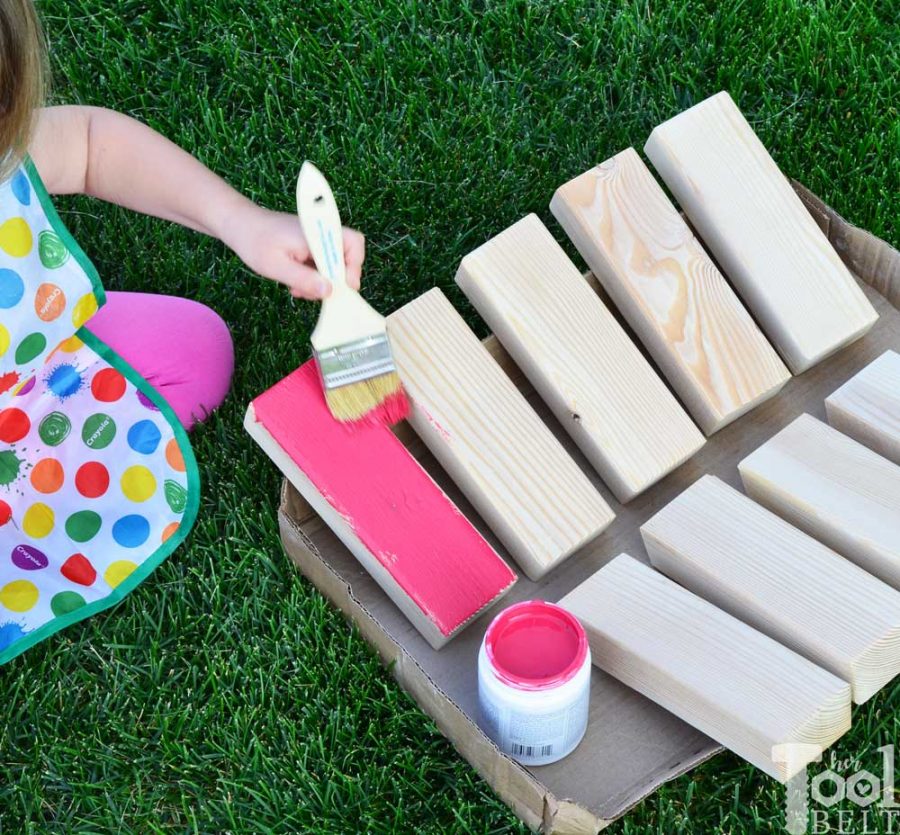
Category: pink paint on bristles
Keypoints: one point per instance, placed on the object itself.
(390, 411)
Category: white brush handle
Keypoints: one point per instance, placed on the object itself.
(321, 224)
(345, 315)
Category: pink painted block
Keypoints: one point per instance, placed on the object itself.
(383, 505)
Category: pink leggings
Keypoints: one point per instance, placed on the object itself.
(180, 346)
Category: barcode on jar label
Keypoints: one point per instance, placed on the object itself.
(519, 750)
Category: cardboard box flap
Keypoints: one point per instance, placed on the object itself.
(873, 260)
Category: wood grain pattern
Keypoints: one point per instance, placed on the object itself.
(867, 407)
(669, 290)
(503, 457)
(740, 687)
(835, 489)
(579, 359)
(743, 558)
(384, 507)
(766, 242)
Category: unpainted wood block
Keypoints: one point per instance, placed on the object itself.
(669, 290)
(746, 560)
(835, 489)
(579, 359)
(745, 690)
(766, 242)
(867, 407)
(380, 502)
(479, 426)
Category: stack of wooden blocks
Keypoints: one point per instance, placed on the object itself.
(763, 615)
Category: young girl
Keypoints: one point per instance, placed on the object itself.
(97, 480)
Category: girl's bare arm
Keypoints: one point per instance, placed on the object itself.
(91, 150)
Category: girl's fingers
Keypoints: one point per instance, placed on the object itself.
(354, 276)
(305, 282)
(354, 255)
(354, 246)
(291, 264)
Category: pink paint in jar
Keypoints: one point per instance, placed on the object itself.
(534, 675)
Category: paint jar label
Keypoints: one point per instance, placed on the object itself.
(535, 738)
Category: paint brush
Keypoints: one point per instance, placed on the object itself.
(350, 342)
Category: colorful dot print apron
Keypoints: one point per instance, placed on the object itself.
(98, 483)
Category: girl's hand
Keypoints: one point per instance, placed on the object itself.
(272, 244)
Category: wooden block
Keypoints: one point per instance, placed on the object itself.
(751, 563)
(738, 686)
(835, 489)
(578, 357)
(755, 225)
(481, 429)
(867, 407)
(669, 290)
(383, 506)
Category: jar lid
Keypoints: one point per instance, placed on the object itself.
(535, 645)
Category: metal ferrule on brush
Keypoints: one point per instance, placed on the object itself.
(355, 362)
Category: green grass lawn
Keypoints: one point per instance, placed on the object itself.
(225, 694)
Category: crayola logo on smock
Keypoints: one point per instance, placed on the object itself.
(99, 431)
(49, 302)
(29, 558)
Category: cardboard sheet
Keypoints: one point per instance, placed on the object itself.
(632, 746)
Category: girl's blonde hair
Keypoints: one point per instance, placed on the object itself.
(23, 72)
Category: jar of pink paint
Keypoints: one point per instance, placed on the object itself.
(534, 676)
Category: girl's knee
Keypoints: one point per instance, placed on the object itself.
(216, 337)
(208, 367)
